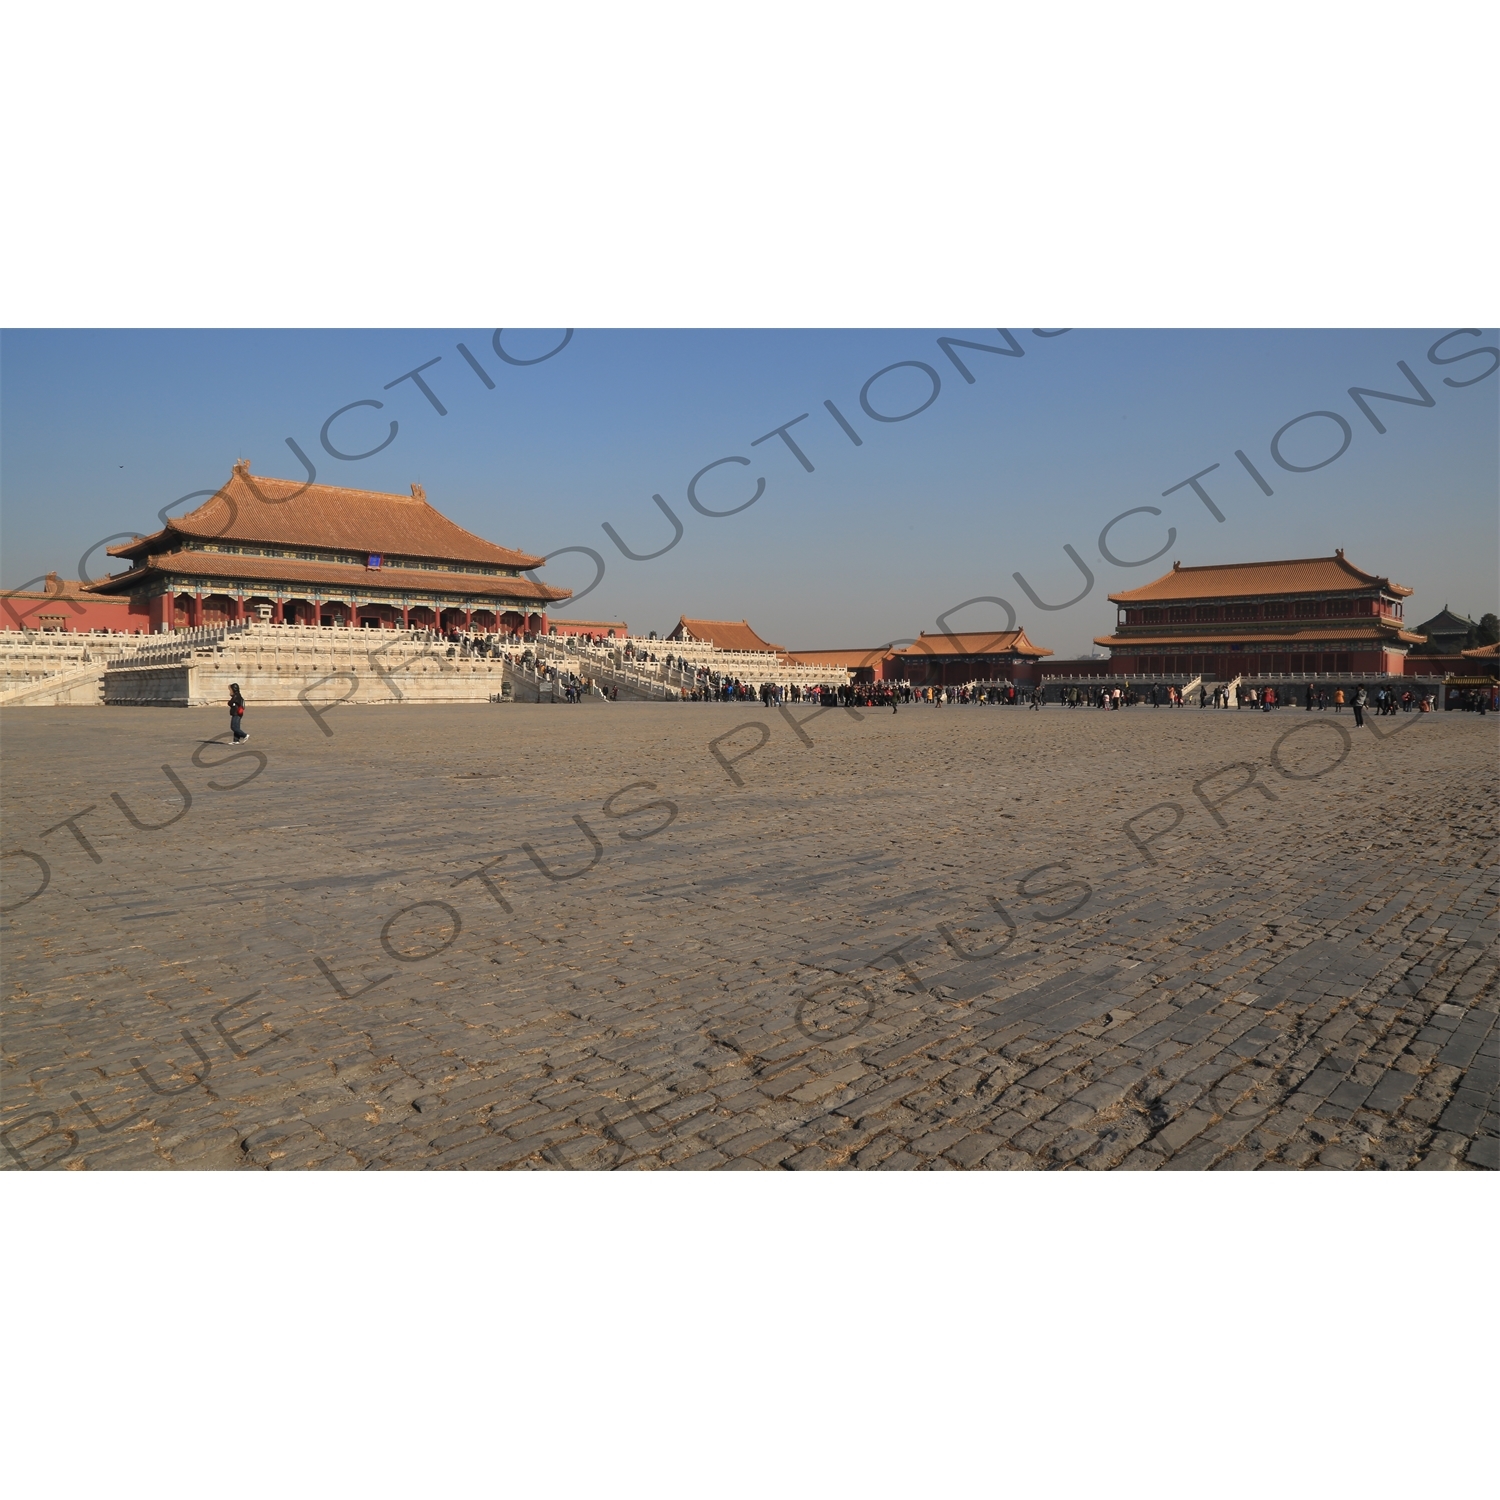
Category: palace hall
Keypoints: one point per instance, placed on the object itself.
(940, 660)
(951, 659)
(311, 554)
(1312, 614)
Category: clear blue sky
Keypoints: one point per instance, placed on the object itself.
(102, 429)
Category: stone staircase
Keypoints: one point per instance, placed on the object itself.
(643, 682)
(26, 659)
(656, 681)
(67, 670)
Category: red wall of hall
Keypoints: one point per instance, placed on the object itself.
(81, 612)
(1224, 667)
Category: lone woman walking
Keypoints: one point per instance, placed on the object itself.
(237, 713)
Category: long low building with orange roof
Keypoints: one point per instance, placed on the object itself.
(314, 554)
(950, 659)
(1226, 620)
(69, 606)
(603, 629)
(1484, 658)
(863, 663)
(945, 659)
(722, 635)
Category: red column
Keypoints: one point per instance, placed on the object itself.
(405, 618)
(278, 614)
(161, 611)
(196, 610)
(468, 621)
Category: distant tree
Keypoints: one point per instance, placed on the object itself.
(1487, 632)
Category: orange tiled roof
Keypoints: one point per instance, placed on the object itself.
(291, 570)
(590, 627)
(282, 511)
(1205, 641)
(727, 635)
(973, 643)
(60, 589)
(851, 657)
(1483, 652)
(1300, 575)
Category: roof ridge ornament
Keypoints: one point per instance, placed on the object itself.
(418, 493)
(241, 470)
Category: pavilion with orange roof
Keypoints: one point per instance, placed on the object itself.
(318, 554)
(1302, 615)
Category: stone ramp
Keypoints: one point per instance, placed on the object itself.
(72, 687)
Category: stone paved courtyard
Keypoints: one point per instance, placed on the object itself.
(580, 937)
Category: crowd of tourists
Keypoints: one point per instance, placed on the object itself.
(1128, 695)
(709, 686)
(1384, 701)
(495, 647)
(713, 688)
(1473, 701)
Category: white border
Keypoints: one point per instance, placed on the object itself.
(1161, 164)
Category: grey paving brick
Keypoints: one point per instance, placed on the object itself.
(648, 1014)
(1176, 1135)
(1484, 1152)
(1463, 1114)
